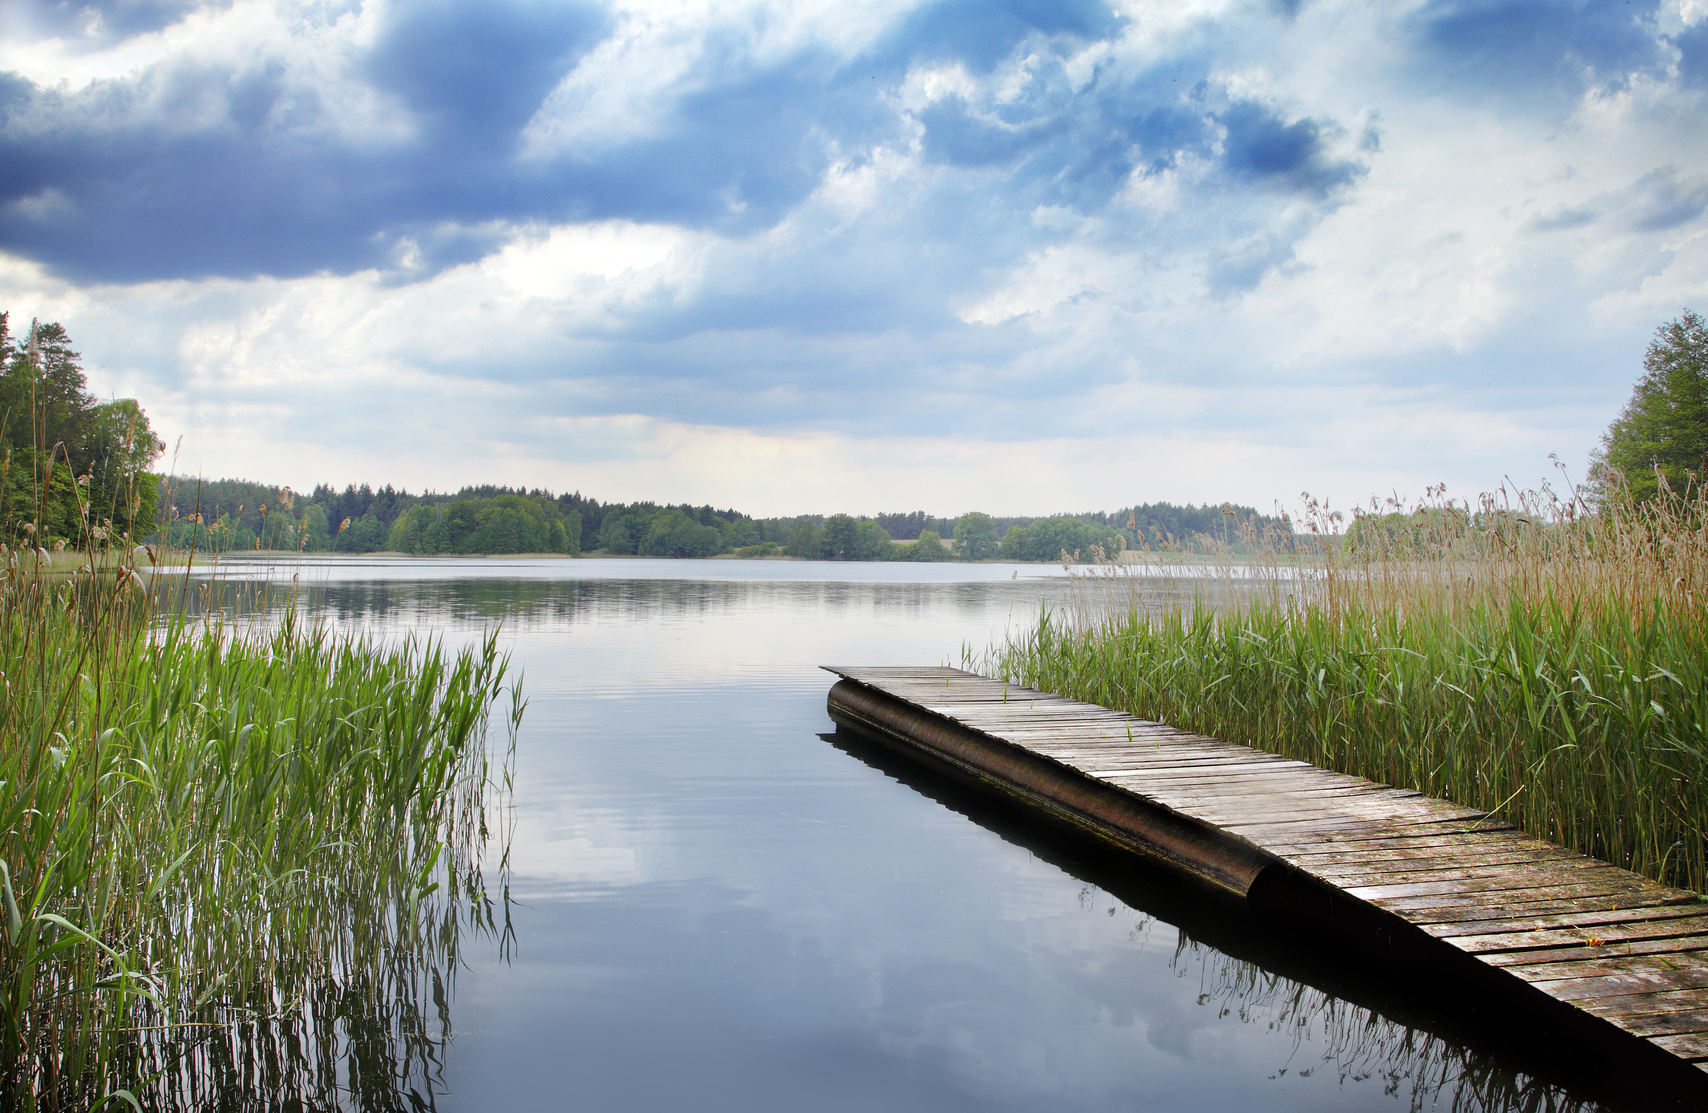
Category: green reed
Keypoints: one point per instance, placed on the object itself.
(206, 831)
(1553, 670)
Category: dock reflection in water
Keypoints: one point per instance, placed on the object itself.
(1356, 1032)
(718, 905)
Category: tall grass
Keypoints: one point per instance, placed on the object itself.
(225, 855)
(1532, 655)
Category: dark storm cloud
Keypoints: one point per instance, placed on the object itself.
(244, 168)
(269, 187)
(473, 74)
(1077, 146)
(1664, 200)
(1692, 46)
(1264, 147)
(100, 22)
(262, 183)
(1659, 200)
(1532, 49)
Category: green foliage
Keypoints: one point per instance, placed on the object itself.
(647, 529)
(741, 533)
(1663, 429)
(409, 532)
(73, 469)
(356, 505)
(220, 536)
(837, 540)
(366, 534)
(844, 538)
(242, 507)
(1435, 529)
(502, 524)
(674, 534)
(909, 527)
(622, 534)
(803, 540)
(976, 534)
(870, 542)
(1163, 526)
(1047, 539)
(316, 537)
(929, 547)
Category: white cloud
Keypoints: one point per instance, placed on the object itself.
(314, 54)
(626, 89)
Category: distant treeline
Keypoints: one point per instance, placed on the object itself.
(238, 515)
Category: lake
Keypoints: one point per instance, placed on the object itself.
(719, 903)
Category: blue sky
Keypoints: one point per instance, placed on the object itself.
(1021, 257)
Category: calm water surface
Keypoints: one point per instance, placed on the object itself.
(718, 903)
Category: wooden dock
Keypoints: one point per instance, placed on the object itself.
(1418, 879)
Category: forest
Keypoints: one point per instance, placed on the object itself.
(226, 515)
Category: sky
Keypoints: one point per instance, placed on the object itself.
(1022, 257)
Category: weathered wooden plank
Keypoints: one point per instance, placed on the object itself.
(1146, 758)
(1188, 767)
(1691, 1045)
(1516, 901)
(1467, 852)
(1234, 800)
(1479, 913)
(1260, 831)
(1674, 945)
(1119, 751)
(1668, 1024)
(1231, 792)
(1043, 720)
(1617, 964)
(1498, 920)
(1612, 978)
(1040, 722)
(1572, 936)
(1364, 872)
(1159, 758)
(1495, 879)
(1350, 817)
(1275, 778)
(1387, 842)
(1114, 740)
(1165, 764)
(1633, 1008)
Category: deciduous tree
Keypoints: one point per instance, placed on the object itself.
(1663, 429)
(976, 534)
